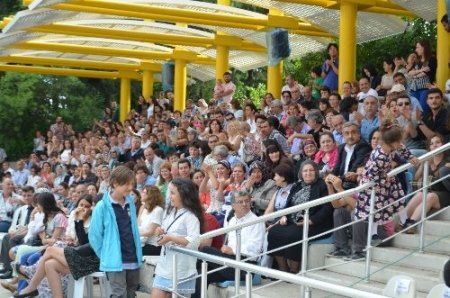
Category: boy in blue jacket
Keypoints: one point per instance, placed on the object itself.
(114, 235)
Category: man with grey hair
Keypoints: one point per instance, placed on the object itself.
(351, 155)
(221, 152)
(276, 109)
(315, 121)
(252, 238)
(370, 120)
(337, 121)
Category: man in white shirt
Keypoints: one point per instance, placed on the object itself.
(364, 86)
(153, 161)
(252, 238)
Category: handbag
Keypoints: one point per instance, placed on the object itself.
(85, 250)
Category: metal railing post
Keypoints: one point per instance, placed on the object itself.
(174, 277)
(426, 167)
(248, 285)
(237, 273)
(369, 233)
(204, 288)
(304, 261)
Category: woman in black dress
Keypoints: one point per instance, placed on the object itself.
(290, 228)
(78, 261)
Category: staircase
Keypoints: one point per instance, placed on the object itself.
(401, 257)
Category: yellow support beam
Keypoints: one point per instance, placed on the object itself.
(275, 72)
(160, 38)
(147, 84)
(274, 79)
(125, 98)
(222, 61)
(224, 2)
(312, 33)
(390, 11)
(347, 43)
(75, 63)
(181, 15)
(66, 72)
(180, 83)
(443, 48)
(103, 51)
(376, 6)
(223, 44)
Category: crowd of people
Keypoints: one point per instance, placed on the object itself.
(101, 199)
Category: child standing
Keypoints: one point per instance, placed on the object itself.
(387, 189)
(181, 226)
(114, 234)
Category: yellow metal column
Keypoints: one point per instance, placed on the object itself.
(222, 65)
(224, 2)
(180, 83)
(347, 43)
(443, 48)
(274, 74)
(147, 83)
(222, 51)
(125, 98)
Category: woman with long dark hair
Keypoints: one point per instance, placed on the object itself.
(182, 225)
(71, 259)
(422, 73)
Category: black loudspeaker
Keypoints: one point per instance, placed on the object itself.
(277, 41)
(167, 78)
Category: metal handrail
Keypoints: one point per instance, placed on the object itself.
(295, 279)
(424, 157)
(287, 211)
(306, 206)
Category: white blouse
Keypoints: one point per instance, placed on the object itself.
(147, 218)
(187, 225)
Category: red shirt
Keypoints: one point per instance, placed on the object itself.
(211, 224)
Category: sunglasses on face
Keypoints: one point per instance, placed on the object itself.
(400, 104)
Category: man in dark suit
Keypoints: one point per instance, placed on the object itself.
(134, 153)
(352, 154)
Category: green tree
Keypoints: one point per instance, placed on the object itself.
(31, 102)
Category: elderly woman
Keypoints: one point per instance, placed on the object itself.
(327, 156)
(315, 119)
(290, 228)
(260, 186)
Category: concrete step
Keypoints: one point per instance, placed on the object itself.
(444, 215)
(437, 227)
(408, 258)
(280, 289)
(381, 272)
(350, 281)
(433, 244)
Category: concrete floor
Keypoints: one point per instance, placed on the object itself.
(6, 294)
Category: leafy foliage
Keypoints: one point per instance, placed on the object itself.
(31, 102)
